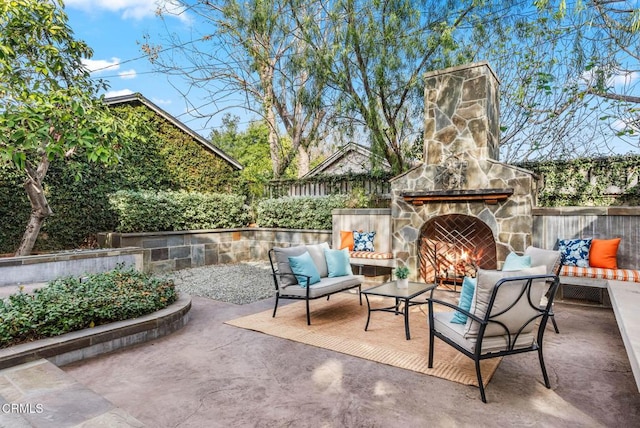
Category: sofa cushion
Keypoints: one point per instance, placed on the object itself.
(516, 316)
(604, 253)
(282, 259)
(575, 252)
(325, 286)
(338, 262)
(317, 254)
(363, 241)
(303, 266)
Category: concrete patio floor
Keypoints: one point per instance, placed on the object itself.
(213, 375)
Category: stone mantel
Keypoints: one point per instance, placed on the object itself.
(489, 196)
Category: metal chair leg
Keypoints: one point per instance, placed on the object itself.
(553, 321)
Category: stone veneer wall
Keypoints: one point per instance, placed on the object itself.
(167, 251)
(462, 127)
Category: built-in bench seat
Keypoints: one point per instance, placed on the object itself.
(591, 284)
(376, 220)
(625, 300)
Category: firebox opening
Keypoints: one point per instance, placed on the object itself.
(454, 246)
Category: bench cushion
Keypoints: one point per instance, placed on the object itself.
(370, 255)
(600, 273)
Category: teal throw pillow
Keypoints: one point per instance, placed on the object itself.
(338, 262)
(304, 265)
(466, 297)
(516, 262)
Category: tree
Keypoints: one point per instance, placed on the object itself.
(252, 57)
(560, 70)
(250, 147)
(48, 104)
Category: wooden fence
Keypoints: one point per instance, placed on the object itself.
(379, 187)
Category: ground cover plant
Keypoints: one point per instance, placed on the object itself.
(71, 304)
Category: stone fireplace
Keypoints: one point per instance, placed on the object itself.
(462, 208)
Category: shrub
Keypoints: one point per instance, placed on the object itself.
(306, 212)
(149, 211)
(69, 304)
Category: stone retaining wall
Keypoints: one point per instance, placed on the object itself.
(167, 251)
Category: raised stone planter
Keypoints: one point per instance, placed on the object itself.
(47, 267)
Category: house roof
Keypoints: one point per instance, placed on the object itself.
(340, 156)
(139, 98)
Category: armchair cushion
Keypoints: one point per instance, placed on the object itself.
(549, 258)
(282, 258)
(516, 316)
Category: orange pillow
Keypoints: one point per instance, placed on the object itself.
(346, 240)
(602, 253)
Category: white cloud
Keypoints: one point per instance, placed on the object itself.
(624, 79)
(161, 101)
(119, 93)
(100, 65)
(131, 9)
(128, 74)
(613, 79)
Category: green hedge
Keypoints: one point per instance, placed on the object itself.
(149, 211)
(299, 212)
(68, 304)
(167, 159)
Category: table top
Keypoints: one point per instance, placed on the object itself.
(389, 289)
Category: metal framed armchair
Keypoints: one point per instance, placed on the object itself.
(505, 318)
(552, 259)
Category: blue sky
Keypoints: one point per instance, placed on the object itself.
(114, 29)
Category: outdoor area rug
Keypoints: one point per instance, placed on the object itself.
(338, 325)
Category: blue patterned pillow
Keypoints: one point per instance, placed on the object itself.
(575, 252)
(363, 241)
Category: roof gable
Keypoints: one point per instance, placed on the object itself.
(138, 98)
(350, 158)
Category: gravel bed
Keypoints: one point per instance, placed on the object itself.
(239, 283)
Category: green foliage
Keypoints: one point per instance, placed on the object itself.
(69, 304)
(402, 272)
(299, 212)
(166, 159)
(148, 211)
(250, 148)
(588, 182)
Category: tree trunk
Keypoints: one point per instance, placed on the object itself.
(303, 160)
(40, 209)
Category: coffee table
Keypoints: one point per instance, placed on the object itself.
(389, 289)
